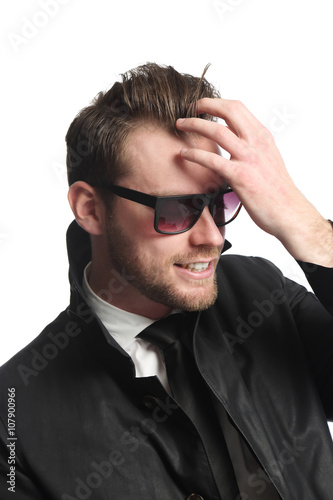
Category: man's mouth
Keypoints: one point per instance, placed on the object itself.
(195, 267)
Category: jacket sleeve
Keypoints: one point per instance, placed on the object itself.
(313, 313)
(321, 281)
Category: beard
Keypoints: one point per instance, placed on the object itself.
(150, 275)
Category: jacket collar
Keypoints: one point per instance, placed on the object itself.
(79, 255)
(79, 252)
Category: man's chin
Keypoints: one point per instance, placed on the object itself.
(199, 305)
(190, 301)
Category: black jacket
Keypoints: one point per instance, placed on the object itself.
(86, 428)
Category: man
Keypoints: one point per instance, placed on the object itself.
(90, 409)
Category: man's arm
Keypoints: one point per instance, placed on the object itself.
(257, 174)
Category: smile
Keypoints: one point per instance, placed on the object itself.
(196, 267)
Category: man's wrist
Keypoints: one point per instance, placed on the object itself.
(312, 243)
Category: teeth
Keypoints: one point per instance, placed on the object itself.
(197, 266)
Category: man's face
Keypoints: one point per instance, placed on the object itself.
(160, 268)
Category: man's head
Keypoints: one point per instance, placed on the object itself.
(149, 94)
(128, 137)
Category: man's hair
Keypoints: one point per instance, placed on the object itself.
(148, 94)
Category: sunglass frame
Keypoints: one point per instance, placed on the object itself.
(156, 202)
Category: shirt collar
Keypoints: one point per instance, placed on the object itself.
(123, 326)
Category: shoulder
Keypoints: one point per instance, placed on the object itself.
(256, 268)
(241, 280)
(33, 358)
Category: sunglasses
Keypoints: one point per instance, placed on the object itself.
(177, 214)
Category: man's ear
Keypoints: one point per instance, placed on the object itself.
(87, 207)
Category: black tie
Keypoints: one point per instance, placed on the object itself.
(173, 335)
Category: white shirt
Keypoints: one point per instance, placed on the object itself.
(124, 326)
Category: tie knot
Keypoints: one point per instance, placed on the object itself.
(163, 332)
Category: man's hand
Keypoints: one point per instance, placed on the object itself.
(257, 174)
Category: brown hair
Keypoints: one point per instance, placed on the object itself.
(149, 93)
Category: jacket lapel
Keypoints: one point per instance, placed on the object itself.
(221, 372)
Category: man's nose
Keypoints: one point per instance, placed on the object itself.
(205, 232)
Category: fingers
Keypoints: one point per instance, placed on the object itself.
(216, 132)
(227, 136)
(221, 166)
(239, 119)
(243, 136)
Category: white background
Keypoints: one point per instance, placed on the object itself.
(275, 56)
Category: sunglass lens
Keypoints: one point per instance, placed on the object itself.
(225, 208)
(177, 215)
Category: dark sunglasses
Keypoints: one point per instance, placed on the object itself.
(177, 214)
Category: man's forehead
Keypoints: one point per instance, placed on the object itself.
(147, 135)
(154, 160)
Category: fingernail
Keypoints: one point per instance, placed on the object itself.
(180, 121)
(183, 151)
